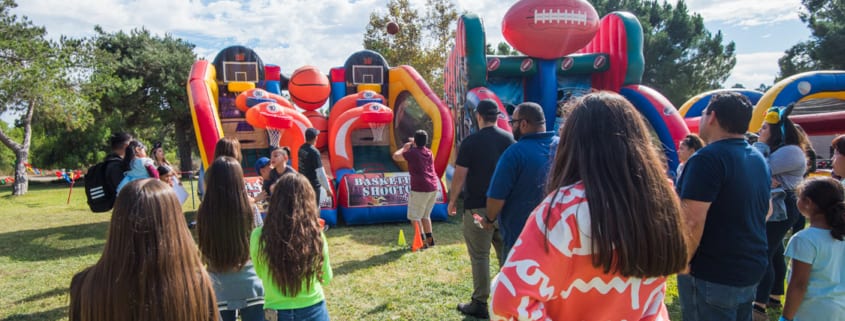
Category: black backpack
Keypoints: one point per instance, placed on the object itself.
(98, 189)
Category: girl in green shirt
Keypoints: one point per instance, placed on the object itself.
(290, 252)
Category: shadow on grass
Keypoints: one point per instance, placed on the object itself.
(375, 260)
(445, 232)
(30, 245)
(45, 295)
(49, 315)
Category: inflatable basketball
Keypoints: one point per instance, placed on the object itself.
(321, 123)
(309, 88)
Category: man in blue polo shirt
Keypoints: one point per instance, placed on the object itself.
(519, 180)
(725, 198)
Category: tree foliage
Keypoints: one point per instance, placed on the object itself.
(144, 94)
(424, 39)
(502, 49)
(682, 58)
(41, 81)
(826, 20)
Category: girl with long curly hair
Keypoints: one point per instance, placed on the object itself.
(291, 254)
(150, 268)
(225, 220)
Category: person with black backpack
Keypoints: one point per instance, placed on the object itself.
(102, 179)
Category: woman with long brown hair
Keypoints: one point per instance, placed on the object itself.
(150, 268)
(225, 220)
(610, 221)
(291, 254)
(228, 146)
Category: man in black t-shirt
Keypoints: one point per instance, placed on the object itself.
(311, 164)
(476, 162)
(114, 172)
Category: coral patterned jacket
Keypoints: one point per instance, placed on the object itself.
(561, 283)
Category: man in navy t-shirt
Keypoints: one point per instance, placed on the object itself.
(518, 183)
(474, 166)
(725, 198)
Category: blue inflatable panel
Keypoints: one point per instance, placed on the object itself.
(338, 91)
(386, 214)
(697, 107)
(329, 215)
(273, 86)
(647, 109)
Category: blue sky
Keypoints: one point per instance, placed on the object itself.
(293, 33)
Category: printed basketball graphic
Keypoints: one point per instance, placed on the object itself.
(309, 88)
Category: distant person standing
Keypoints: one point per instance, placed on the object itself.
(474, 167)
(518, 183)
(688, 146)
(311, 164)
(725, 198)
(114, 172)
(279, 161)
(423, 182)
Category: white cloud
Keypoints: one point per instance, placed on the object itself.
(753, 69)
(746, 13)
(294, 33)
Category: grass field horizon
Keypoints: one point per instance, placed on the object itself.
(44, 242)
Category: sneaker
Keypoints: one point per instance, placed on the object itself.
(774, 304)
(429, 242)
(474, 309)
(759, 314)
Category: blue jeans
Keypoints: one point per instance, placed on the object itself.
(707, 301)
(252, 313)
(317, 312)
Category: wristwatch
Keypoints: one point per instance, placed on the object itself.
(489, 220)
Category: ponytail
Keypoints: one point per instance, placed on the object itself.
(129, 154)
(835, 217)
(828, 196)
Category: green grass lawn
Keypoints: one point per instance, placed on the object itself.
(44, 241)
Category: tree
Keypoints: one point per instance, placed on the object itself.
(39, 80)
(146, 94)
(423, 41)
(682, 58)
(502, 49)
(738, 86)
(826, 20)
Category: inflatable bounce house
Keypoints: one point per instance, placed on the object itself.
(372, 110)
(797, 89)
(568, 52)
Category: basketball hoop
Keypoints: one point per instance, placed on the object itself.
(377, 130)
(275, 135)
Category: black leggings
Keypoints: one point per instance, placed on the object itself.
(775, 231)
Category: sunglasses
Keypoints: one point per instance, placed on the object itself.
(514, 121)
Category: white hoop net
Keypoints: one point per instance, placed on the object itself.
(275, 135)
(377, 130)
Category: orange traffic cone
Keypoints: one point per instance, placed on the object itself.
(418, 243)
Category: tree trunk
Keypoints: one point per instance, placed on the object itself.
(21, 185)
(183, 134)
